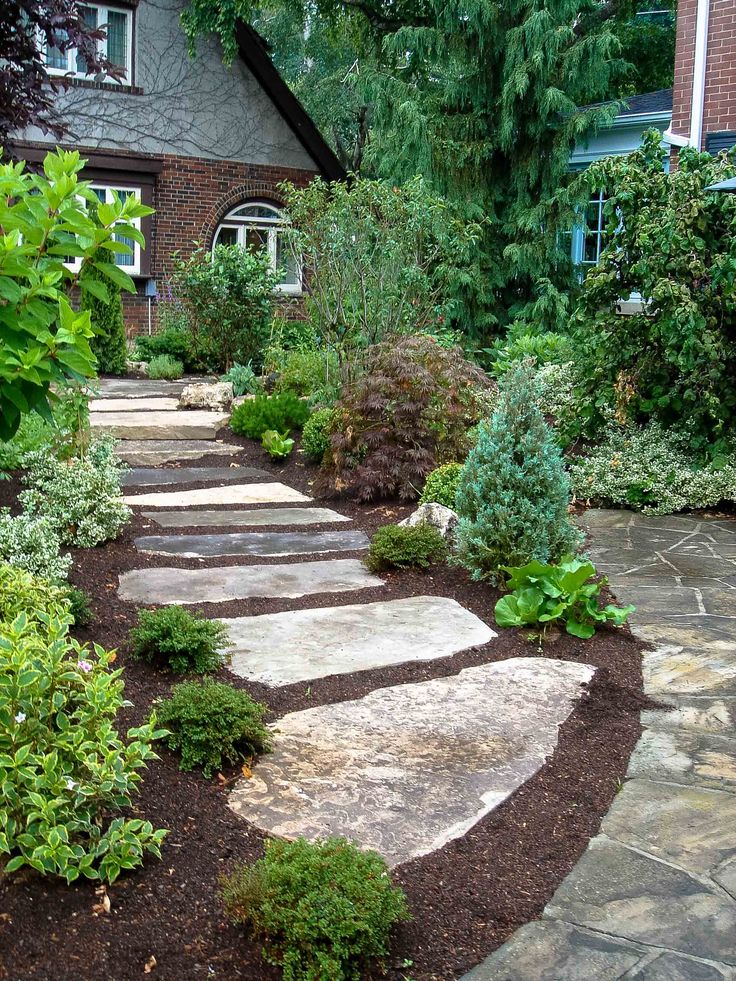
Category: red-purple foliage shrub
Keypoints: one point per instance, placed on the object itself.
(408, 412)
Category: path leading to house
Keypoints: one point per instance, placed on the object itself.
(654, 895)
(406, 768)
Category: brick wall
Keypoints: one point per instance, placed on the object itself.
(719, 111)
(191, 196)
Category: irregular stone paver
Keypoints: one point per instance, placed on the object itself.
(154, 476)
(223, 583)
(133, 388)
(406, 769)
(204, 496)
(158, 425)
(128, 404)
(253, 543)
(262, 516)
(151, 452)
(283, 648)
(678, 812)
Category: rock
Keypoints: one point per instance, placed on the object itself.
(442, 518)
(129, 404)
(139, 368)
(216, 397)
(239, 399)
(148, 424)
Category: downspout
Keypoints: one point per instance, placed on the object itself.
(698, 94)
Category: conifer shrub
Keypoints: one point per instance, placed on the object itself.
(316, 433)
(324, 909)
(164, 366)
(441, 485)
(173, 637)
(279, 412)
(212, 724)
(106, 317)
(409, 412)
(401, 547)
(514, 493)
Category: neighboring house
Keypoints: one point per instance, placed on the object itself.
(204, 145)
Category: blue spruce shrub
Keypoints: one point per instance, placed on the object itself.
(513, 493)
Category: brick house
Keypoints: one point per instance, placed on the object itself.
(203, 144)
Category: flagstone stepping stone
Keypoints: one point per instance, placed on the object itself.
(283, 648)
(223, 583)
(153, 476)
(253, 543)
(698, 713)
(684, 757)
(262, 516)
(183, 424)
(151, 452)
(137, 388)
(406, 769)
(148, 404)
(232, 494)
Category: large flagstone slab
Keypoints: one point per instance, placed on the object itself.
(685, 757)
(253, 543)
(152, 452)
(186, 424)
(127, 404)
(233, 494)
(154, 476)
(406, 769)
(136, 388)
(234, 519)
(300, 645)
(223, 583)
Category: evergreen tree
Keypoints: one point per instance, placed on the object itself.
(108, 345)
(513, 494)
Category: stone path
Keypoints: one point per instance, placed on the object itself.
(263, 516)
(271, 543)
(268, 493)
(152, 452)
(654, 895)
(158, 424)
(155, 476)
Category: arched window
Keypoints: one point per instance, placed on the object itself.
(257, 225)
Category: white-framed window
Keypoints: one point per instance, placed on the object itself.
(258, 225)
(117, 47)
(130, 262)
(588, 238)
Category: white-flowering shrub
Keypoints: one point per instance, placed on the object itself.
(32, 543)
(650, 470)
(81, 496)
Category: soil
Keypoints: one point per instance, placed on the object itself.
(166, 919)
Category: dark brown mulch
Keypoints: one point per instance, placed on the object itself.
(466, 898)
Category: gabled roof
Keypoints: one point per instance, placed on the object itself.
(650, 102)
(254, 52)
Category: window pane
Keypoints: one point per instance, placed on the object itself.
(286, 266)
(227, 236)
(120, 258)
(256, 239)
(257, 211)
(89, 16)
(117, 38)
(56, 58)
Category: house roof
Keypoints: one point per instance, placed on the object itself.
(254, 52)
(649, 102)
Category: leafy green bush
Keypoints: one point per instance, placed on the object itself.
(212, 724)
(175, 638)
(280, 412)
(293, 335)
(79, 608)
(243, 379)
(277, 445)
(441, 485)
(652, 470)
(164, 366)
(109, 344)
(316, 433)
(544, 348)
(64, 769)
(514, 494)
(21, 592)
(32, 543)
(325, 909)
(81, 496)
(400, 547)
(555, 593)
(314, 374)
(176, 341)
(407, 414)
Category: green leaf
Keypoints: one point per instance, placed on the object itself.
(583, 630)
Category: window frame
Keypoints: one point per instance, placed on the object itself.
(133, 269)
(71, 70)
(271, 226)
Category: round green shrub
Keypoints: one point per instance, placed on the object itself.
(166, 367)
(399, 547)
(211, 723)
(281, 413)
(324, 908)
(316, 433)
(441, 486)
(180, 640)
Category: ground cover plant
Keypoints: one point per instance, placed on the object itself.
(514, 493)
(213, 725)
(280, 412)
(180, 640)
(165, 366)
(564, 592)
(441, 485)
(409, 411)
(324, 909)
(401, 547)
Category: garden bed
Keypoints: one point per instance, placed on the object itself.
(466, 899)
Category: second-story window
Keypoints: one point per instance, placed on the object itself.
(116, 47)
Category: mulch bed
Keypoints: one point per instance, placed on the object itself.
(466, 898)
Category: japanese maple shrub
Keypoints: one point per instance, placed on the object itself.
(410, 411)
(514, 493)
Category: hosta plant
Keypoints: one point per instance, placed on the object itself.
(565, 592)
(277, 445)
